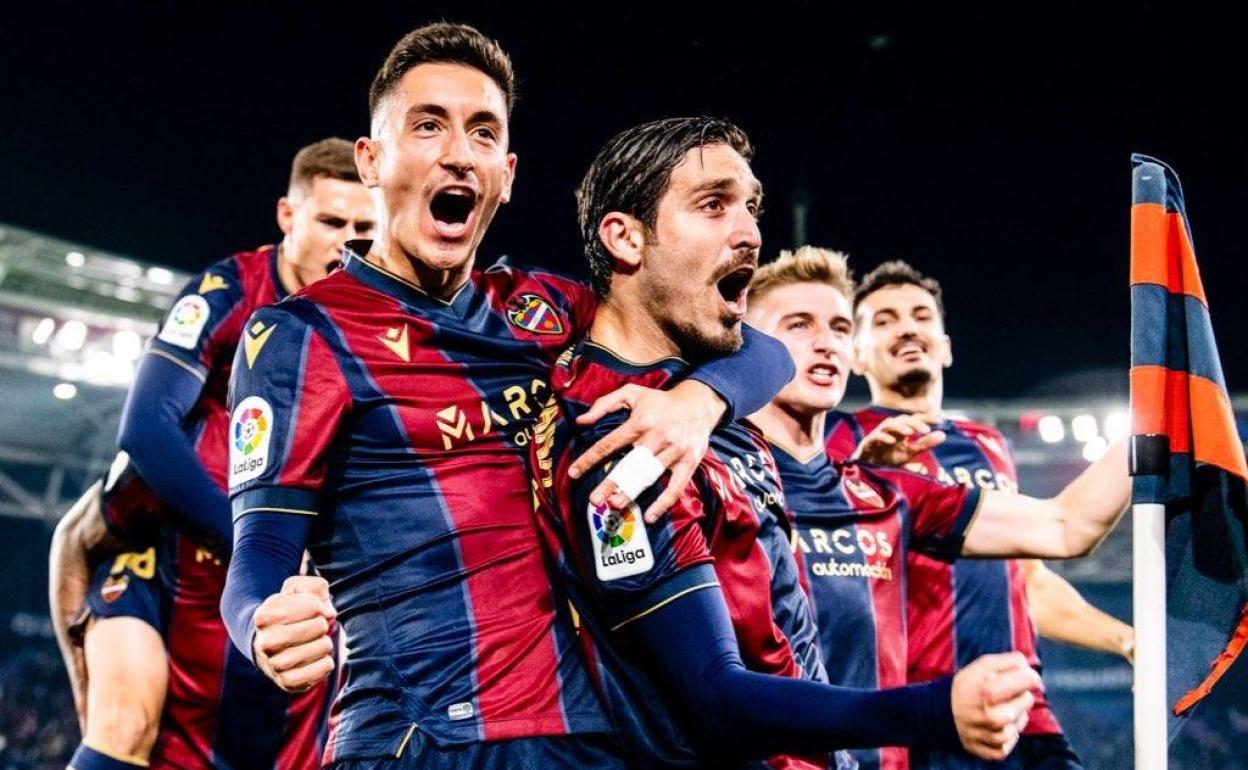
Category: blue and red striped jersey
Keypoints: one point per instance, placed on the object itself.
(855, 526)
(208, 678)
(972, 607)
(729, 528)
(400, 422)
(202, 330)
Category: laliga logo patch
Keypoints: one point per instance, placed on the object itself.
(185, 322)
(251, 426)
(534, 314)
(864, 493)
(621, 543)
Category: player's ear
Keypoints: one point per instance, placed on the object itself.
(947, 359)
(509, 178)
(366, 160)
(624, 238)
(856, 365)
(285, 215)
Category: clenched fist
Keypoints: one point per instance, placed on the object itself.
(991, 700)
(292, 645)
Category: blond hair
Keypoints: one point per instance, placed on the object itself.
(807, 264)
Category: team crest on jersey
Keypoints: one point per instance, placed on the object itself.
(186, 320)
(114, 587)
(621, 543)
(251, 427)
(534, 314)
(864, 492)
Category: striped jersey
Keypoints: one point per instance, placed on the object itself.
(400, 422)
(728, 529)
(855, 527)
(972, 607)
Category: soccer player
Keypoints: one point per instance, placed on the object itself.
(704, 641)
(382, 422)
(162, 681)
(866, 532)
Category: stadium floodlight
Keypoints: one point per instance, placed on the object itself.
(1051, 429)
(1084, 428)
(72, 335)
(1095, 448)
(1117, 424)
(65, 390)
(75, 259)
(43, 331)
(160, 275)
(127, 345)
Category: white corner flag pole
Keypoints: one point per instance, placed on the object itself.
(1148, 562)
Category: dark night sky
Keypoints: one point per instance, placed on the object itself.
(990, 149)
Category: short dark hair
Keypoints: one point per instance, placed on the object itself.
(898, 273)
(333, 158)
(632, 172)
(448, 43)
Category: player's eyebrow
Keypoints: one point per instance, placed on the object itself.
(723, 184)
(438, 111)
(802, 314)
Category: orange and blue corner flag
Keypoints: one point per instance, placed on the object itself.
(1187, 454)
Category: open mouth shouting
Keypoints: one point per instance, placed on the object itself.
(909, 349)
(452, 208)
(733, 288)
(823, 374)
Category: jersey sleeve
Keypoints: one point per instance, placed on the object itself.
(634, 568)
(750, 378)
(288, 397)
(940, 514)
(204, 322)
(842, 434)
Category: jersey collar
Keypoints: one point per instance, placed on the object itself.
(407, 292)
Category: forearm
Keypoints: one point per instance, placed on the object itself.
(758, 714)
(69, 576)
(152, 432)
(1067, 526)
(747, 380)
(268, 548)
(1091, 505)
(1063, 615)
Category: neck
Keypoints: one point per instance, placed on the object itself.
(630, 332)
(286, 273)
(798, 431)
(439, 283)
(923, 399)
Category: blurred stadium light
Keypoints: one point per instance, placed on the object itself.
(72, 324)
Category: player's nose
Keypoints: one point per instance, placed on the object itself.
(457, 152)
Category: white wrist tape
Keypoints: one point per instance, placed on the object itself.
(636, 472)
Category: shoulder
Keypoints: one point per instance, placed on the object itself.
(984, 436)
(509, 278)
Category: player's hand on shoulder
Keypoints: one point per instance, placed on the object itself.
(992, 698)
(670, 430)
(898, 439)
(293, 645)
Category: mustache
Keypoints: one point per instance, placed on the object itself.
(741, 258)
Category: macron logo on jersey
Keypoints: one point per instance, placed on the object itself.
(251, 426)
(621, 543)
(185, 322)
